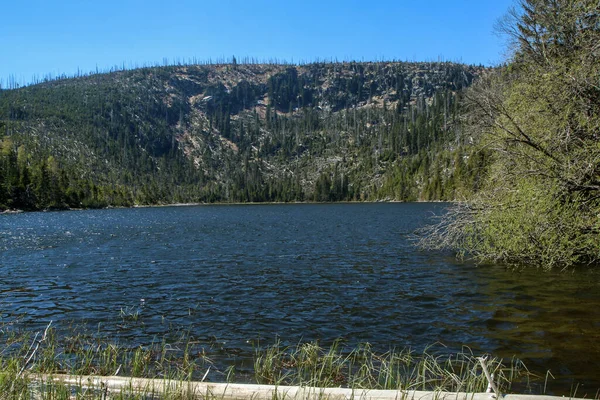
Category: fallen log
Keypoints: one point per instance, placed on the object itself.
(234, 391)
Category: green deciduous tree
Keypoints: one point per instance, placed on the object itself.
(540, 116)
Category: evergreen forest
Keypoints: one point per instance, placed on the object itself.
(239, 132)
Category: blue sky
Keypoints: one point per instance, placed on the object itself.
(55, 37)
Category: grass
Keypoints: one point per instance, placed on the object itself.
(129, 314)
(308, 364)
(22, 355)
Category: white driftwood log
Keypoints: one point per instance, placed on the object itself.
(226, 391)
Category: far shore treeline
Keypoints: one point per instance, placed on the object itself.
(239, 133)
(515, 146)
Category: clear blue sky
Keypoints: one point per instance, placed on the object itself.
(40, 37)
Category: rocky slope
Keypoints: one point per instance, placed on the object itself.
(237, 132)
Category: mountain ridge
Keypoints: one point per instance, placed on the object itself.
(237, 132)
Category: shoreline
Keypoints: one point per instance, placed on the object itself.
(256, 203)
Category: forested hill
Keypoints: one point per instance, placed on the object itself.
(238, 133)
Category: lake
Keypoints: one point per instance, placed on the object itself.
(238, 275)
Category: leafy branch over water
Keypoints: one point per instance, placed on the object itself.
(539, 118)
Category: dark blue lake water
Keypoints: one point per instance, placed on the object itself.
(242, 274)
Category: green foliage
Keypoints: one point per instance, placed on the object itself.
(181, 361)
(240, 133)
(309, 364)
(530, 224)
(540, 117)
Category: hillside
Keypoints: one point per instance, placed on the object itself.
(238, 132)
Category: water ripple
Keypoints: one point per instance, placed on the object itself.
(243, 274)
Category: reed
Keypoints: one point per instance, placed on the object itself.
(309, 364)
(181, 358)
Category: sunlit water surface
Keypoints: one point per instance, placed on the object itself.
(239, 275)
